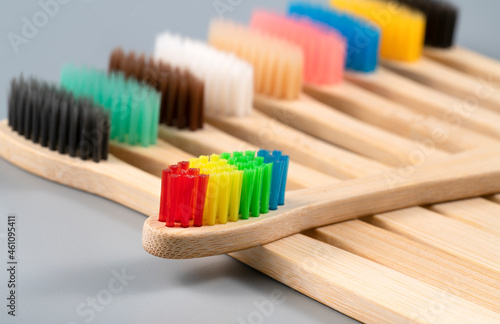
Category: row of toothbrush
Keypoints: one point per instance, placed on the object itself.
(186, 81)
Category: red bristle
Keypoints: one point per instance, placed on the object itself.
(184, 165)
(196, 175)
(195, 172)
(177, 196)
(186, 207)
(175, 168)
(201, 193)
(164, 195)
(173, 192)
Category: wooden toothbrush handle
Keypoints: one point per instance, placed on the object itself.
(111, 179)
(466, 61)
(465, 175)
(321, 121)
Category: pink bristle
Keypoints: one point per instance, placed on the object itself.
(324, 49)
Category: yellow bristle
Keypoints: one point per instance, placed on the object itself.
(224, 197)
(224, 189)
(236, 182)
(403, 28)
(211, 200)
(194, 163)
(278, 65)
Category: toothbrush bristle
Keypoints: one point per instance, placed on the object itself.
(324, 48)
(441, 20)
(53, 118)
(223, 188)
(278, 64)
(403, 28)
(133, 107)
(228, 80)
(182, 92)
(362, 37)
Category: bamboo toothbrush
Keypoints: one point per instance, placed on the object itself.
(464, 175)
(441, 21)
(406, 21)
(42, 115)
(461, 285)
(12, 140)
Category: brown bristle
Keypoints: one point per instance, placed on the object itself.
(182, 93)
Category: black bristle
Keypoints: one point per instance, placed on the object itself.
(54, 122)
(441, 20)
(74, 121)
(96, 139)
(105, 126)
(44, 119)
(84, 146)
(23, 95)
(43, 113)
(13, 94)
(28, 113)
(63, 125)
(36, 101)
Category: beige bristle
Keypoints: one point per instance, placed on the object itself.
(278, 65)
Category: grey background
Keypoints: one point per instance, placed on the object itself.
(70, 241)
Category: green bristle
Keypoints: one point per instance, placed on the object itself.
(247, 192)
(134, 107)
(257, 191)
(225, 156)
(266, 187)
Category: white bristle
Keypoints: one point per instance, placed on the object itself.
(228, 79)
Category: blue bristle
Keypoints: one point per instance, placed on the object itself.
(285, 160)
(279, 177)
(363, 38)
(265, 154)
(275, 184)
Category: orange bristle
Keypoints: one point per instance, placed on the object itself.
(278, 64)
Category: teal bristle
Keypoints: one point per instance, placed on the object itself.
(134, 107)
(363, 38)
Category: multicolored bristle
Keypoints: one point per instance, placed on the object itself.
(403, 28)
(134, 107)
(228, 79)
(182, 92)
(324, 48)
(52, 117)
(223, 188)
(441, 17)
(362, 36)
(278, 64)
